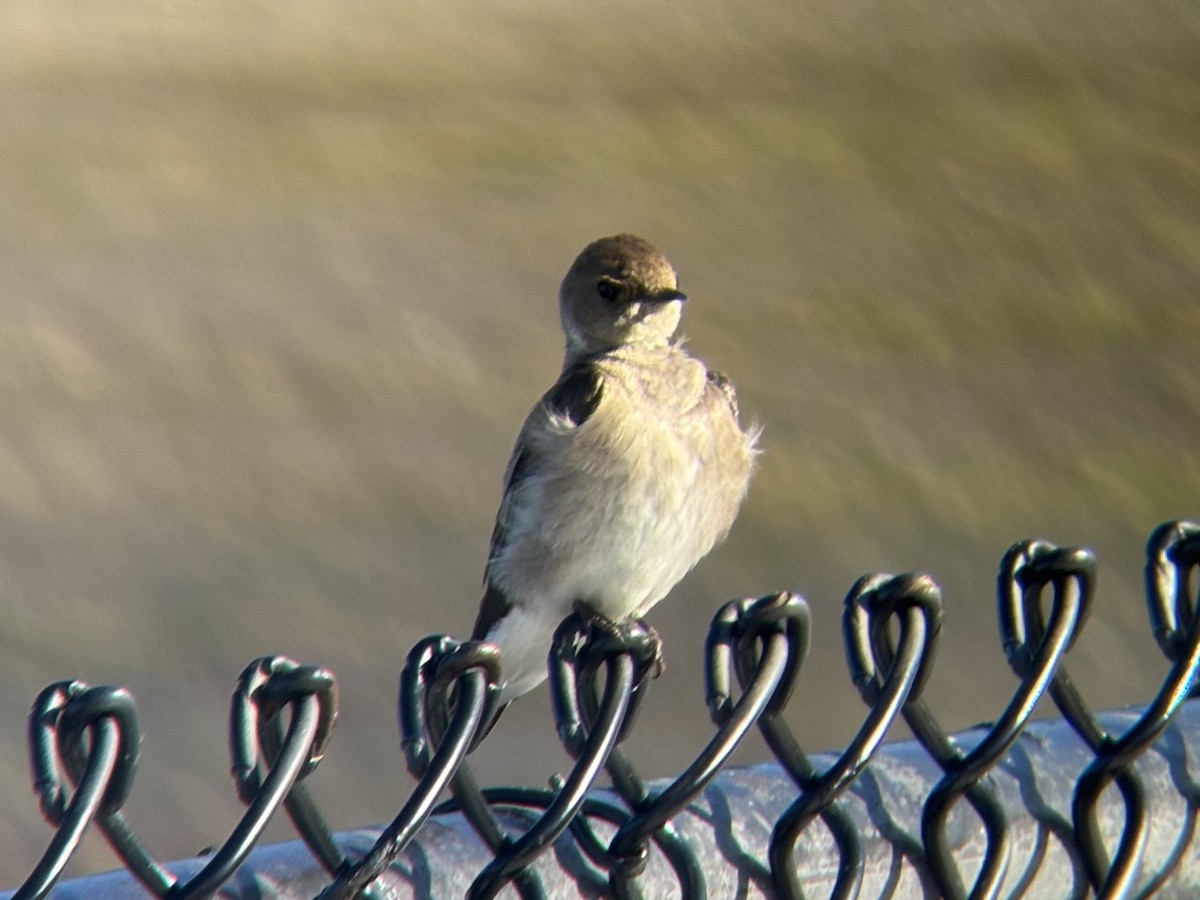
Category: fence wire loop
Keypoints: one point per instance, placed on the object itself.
(298, 750)
(267, 687)
(434, 666)
(1025, 570)
(765, 640)
(61, 715)
(414, 684)
(1034, 646)
(737, 639)
(919, 618)
(1172, 582)
(870, 650)
(465, 684)
(1173, 551)
(80, 714)
(102, 773)
(591, 721)
(447, 692)
(63, 712)
(581, 647)
(45, 760)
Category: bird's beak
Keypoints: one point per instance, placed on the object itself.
(667, 296)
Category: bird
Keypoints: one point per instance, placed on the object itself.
(626, 473)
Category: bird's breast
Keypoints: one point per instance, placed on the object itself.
(625, 504)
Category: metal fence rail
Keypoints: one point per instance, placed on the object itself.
(1010, 809)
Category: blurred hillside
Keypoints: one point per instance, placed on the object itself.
(277, 287)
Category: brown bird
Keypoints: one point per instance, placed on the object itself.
(625, 474)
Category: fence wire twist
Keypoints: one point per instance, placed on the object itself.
(84, 743)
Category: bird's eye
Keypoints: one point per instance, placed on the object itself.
(609, 288)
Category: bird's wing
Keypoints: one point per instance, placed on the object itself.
(494, 606)
(725, 386)
(565, 406)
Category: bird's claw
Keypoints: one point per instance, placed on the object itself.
(656, 662)
(637, 635)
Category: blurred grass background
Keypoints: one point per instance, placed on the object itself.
(278, 286)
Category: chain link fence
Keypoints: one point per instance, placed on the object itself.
(1080, 805)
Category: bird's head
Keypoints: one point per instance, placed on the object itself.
(619, 291)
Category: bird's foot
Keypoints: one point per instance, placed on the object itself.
(597, 621)
(654, 648)
(637, 634)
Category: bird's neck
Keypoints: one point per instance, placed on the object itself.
(581, 353)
